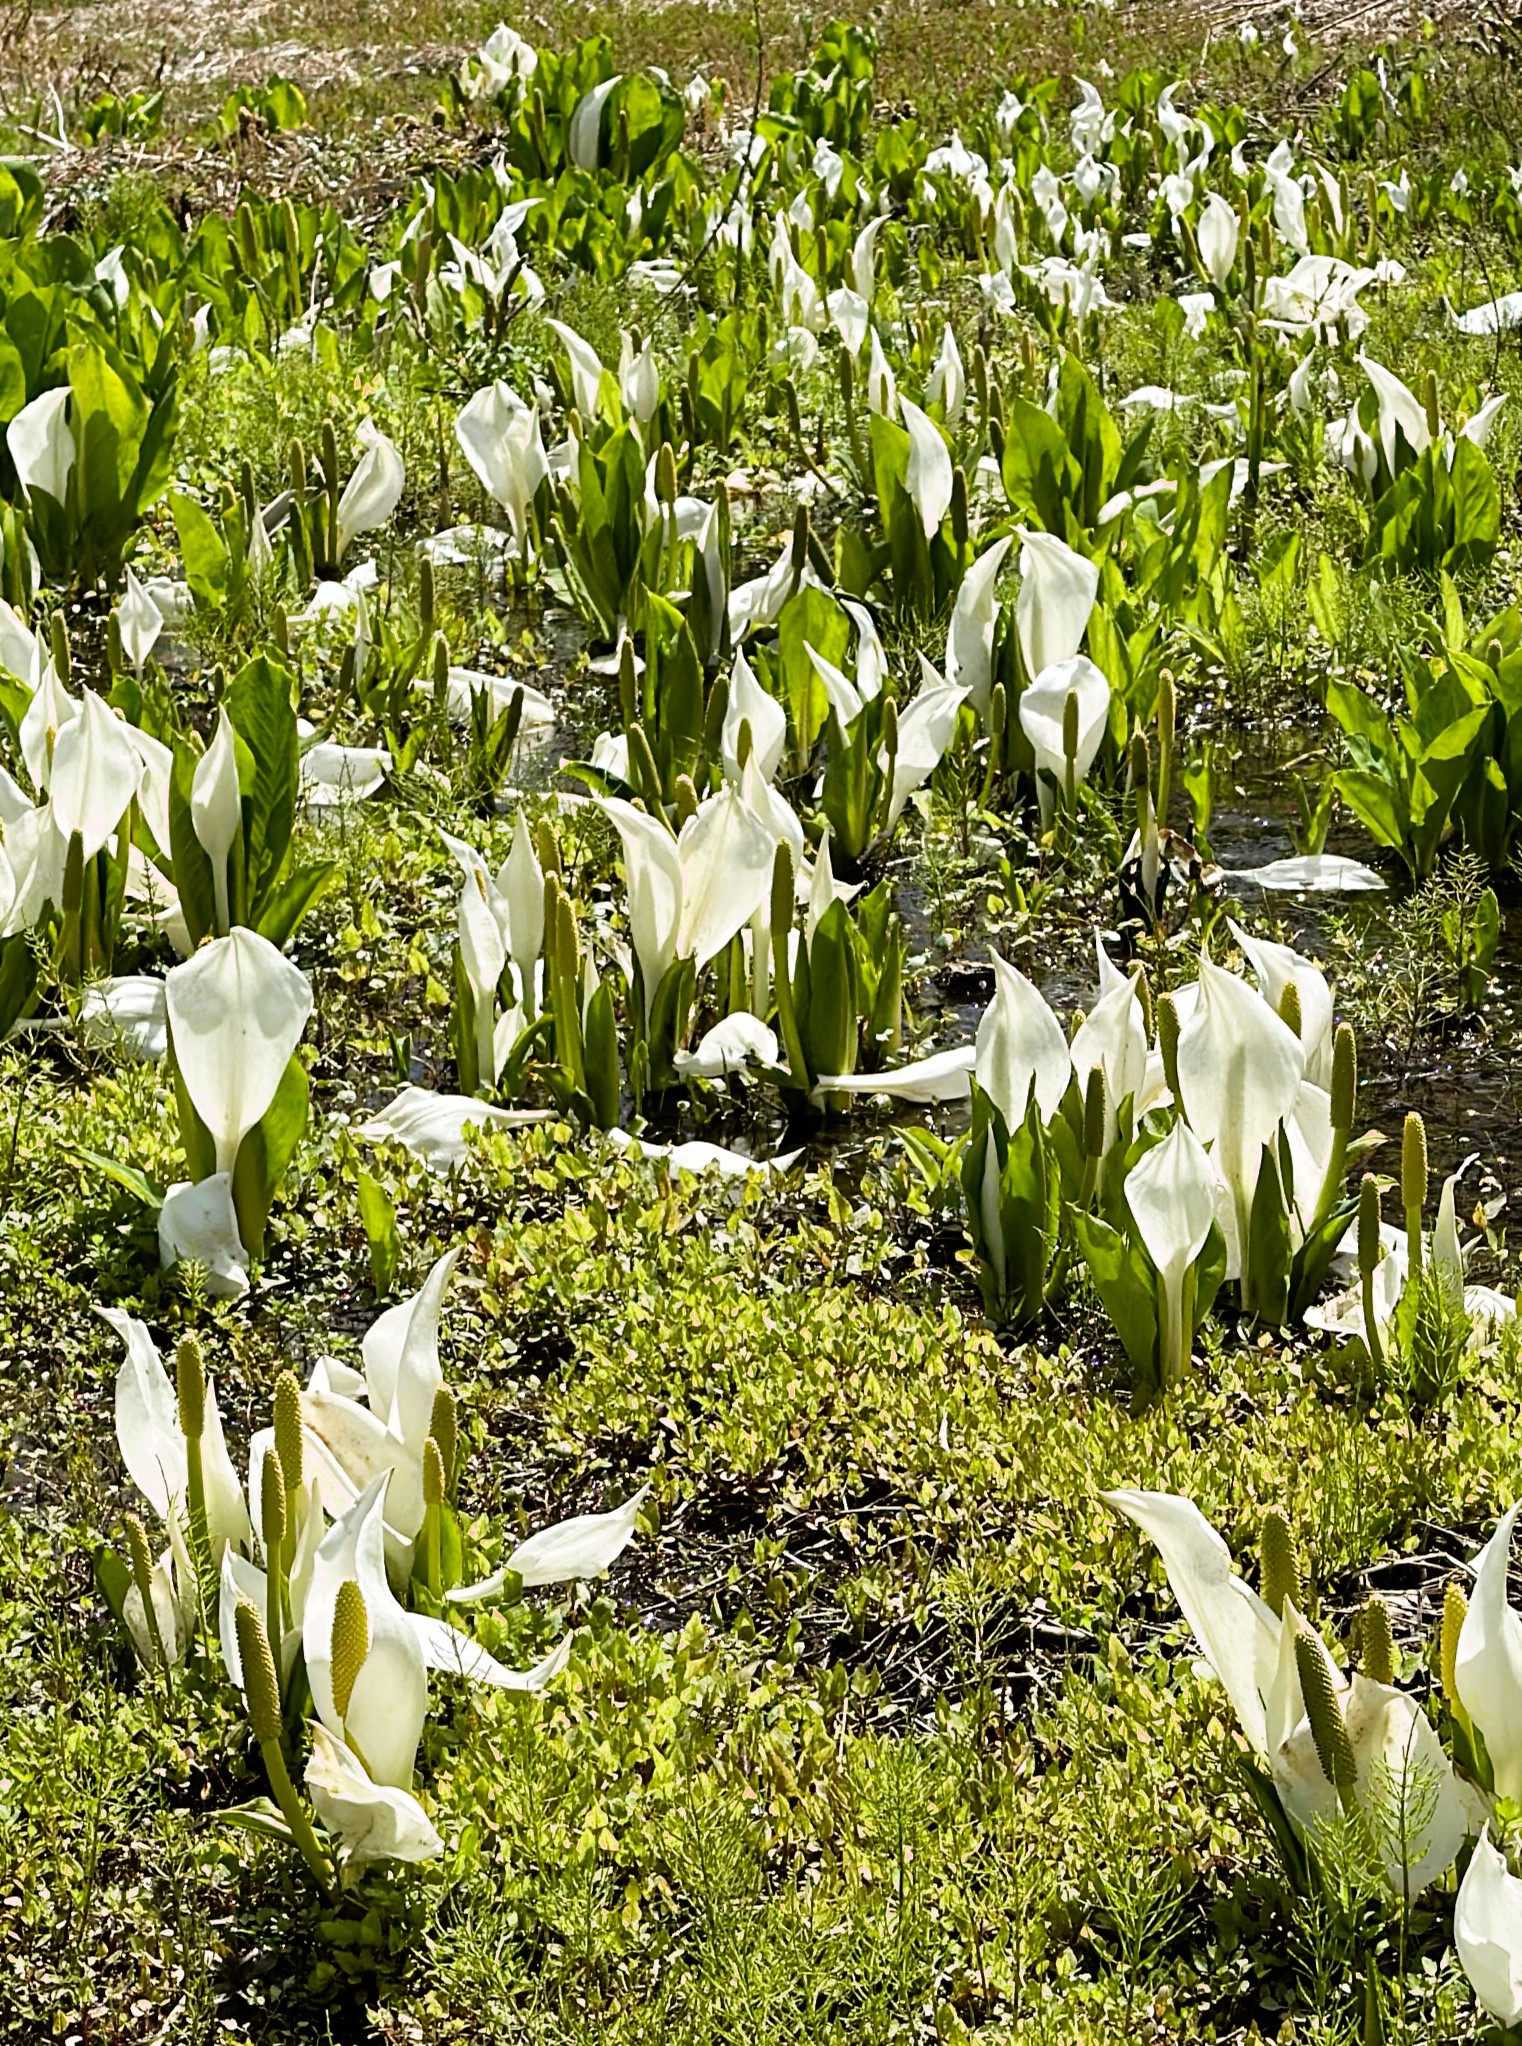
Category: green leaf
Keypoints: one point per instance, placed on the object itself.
(113, 1579)
(829, 1028)
(1123, 1279)
(1268, 1244)
(265, 1153)
(18, 978)
(287, 903)
(600, 1056)
(261, 705)
(202, 551)
(1039, 472)
(192, 869)
(1378, 805)
(137, 1183)
(377, 1213)
(261, 1818)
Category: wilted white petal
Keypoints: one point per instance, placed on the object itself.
(433, 1126)
(200, 1223)
(370, 1821)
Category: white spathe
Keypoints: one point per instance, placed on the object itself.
(237, 1009)
(930, 477)
(199, 1223)
(434, 1127)
(1402, 416)
(153, 1448)
(970, 639)
(739, 1041)
(140, 622)
(95, 774)
(1170, 1191)
(584, 1546)
(1058, 589)
(1020, 1048)
(41, 443)
(374, 490)
(1217, 234)
(689, 895)
(1487, 1931)
(500, 438)
(1240, 1070)
(216, 806)
(1043, 719)
(389, 1700)
(750, 704)
(1488, 1666)
(942, 1076)
(370, 1821)
(1277, 967)
(129, 1012)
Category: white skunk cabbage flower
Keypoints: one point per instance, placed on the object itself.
(96, 773)
(237, 1009)
(1020, 1048)
(41, 443)
(1057, 593)
(1251, 1649)
(1487, 1931)
(374, 490)
(500, 438)
(370, 1821)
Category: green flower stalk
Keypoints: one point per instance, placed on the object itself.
(58, 641)
(1376, 1642)
(1455, 1607)
(1140, 763)
(272, 1521)
(643, 772)
(288, 1448)
(261, 1696)
(1289, 1009)
(782, 979)
(1143, 988)
(1413, 1186)
(1093, 1133)
(1278, 1564)
(1167, 1044)
(1318, 1687)
(998, 720)
(1070, 753)
(433, 1511)
(547, 846)
(1344, 1097)
(140, 1560)
(190, 1390)
(444, 1429)
(1369, 1249)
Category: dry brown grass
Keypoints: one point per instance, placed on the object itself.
(371, 68)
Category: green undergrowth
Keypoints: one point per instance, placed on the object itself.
(884, 1728)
